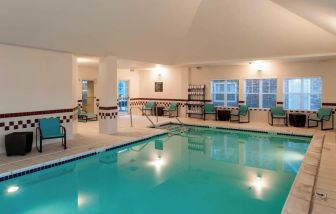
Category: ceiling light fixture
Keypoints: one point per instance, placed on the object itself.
(258, 65)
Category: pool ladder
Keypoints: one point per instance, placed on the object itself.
(143, 113)
(148, 118)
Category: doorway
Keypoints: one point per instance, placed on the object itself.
(88, 96)
(123, 96)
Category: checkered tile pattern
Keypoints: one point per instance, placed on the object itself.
(108, 112)
(108, 115)
(97, 103)
(158, 102)
(28, 123)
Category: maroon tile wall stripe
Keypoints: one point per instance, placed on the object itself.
(33, 113)
(108, 108)
(329, 104)
(166, 99)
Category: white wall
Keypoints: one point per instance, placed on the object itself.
(34, 80)
(175, 82)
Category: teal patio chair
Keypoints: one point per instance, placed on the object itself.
(149, 106)
(209, 108)
(323, 115)
(277, 112)
(171, 109)
(50, 128)
(82, 115)
(243, 110)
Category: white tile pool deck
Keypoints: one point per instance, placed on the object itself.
(317, 172)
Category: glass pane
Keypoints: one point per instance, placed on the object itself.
(252, 100)
(316, 85)
(232, 86)
(248, 86)
(315, 101)
(219, 97)
(232, 100)
(252, 86)
(306, 85)
(269, 100)
(294, 85)
(266, 86)
(255, 86)
(273, 86)
(294, 101)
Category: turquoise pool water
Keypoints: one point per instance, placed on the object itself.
(199, 171)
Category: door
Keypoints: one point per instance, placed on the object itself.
(88, 95)
(123, 96)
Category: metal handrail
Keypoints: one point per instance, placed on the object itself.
(179, 120)
(131, 116)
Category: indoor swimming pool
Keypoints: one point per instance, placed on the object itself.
(196, 170)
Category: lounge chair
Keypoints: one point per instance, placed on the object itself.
(149, 106)
(323, 114)
(172, 108)
(277, 113)
(209, 109)
(242, 111)
(82, 115)
(50, 128)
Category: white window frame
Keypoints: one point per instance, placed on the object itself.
(260, 93)
(302, 93)
(225, 93)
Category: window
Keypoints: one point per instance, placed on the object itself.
(303, 93)
(84, 92)
(224, 92)
(260, 93)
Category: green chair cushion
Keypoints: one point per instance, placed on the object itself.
(173, 106)
(278, 112)
(314, 117)
(324, 113)
(243, 110)
(149, 105)
(209, 108)
(50, 127)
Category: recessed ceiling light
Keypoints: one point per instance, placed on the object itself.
(87, 60)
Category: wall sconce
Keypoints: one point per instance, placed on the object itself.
(159, 70)
(258, 65)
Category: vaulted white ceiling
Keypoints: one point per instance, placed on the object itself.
(168, 31)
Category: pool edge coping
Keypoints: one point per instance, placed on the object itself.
(70, 158)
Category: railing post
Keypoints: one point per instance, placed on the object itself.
(131, 117)
(157, 119)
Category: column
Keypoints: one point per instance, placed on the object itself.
(75, 93)
(108, 109)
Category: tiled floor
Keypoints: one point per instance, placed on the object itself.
(317, 173)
